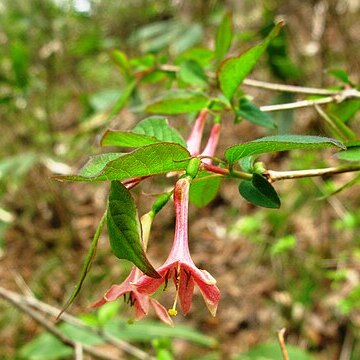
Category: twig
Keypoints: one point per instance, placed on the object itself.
(53, 311)
(275, 86)
(298, 104)
(273, 176)
(49, 326)
(289, 88)
(284, 352)
(79, 353)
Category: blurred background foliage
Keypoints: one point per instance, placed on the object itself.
(62, 71)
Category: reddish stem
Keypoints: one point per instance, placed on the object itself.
(215, 169)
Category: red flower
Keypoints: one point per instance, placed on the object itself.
(179, 266)
(140, 301)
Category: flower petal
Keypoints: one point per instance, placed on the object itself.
(141, 304)
(186, 289)
(211, 295)
(116, 291)
(99, 303)
(148, 285)
(161, 312)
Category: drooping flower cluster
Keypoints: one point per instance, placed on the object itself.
(179, 266)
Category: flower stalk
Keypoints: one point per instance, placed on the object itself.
(179, 265)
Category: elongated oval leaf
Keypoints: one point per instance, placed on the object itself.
(126, 139)
(86, 266)
(97, 163)
(259, 192)
(234, 70)
(178, 103)
(149, 131)
(279, 143)
(125, 230)
(146, 161)
(158, 127)
(351, 154)
(223, 37)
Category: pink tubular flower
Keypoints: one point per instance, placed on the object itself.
(179, 266)
(140, 301)
(194, 140)
(212, 143)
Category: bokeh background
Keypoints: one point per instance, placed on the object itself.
(297, 267)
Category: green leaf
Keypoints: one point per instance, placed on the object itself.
(158, 127)
(87, 265)
(202, 56)
(351, 154)
(224, 36)
(279, 143)
(345, 110)
(234, 70)
(341, 75)
(204, 189)
(20, 63)
(189, 36)
(121, 61)
(192, 73)
(148, 330)
(251, 112)
(151, 130)
(126, 139)
(45, 347)
(125, 230)
(80, 335)
(283, 245)
(97, 163)
(121, 101)
(178, 102)
(259, 192)
(149, 160)
(271, 351)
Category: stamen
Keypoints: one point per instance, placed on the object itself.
(173, 311)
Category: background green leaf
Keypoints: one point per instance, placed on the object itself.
(259, 192)
(178, 102)
(224, 36)
(249, 111)
(87, 265)
(271, 351)
(351, 154)
(192, 73)
(279, 143)
(234, 70)
(148, 160)
(125, 230)
(203, 191)
(148, 330)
